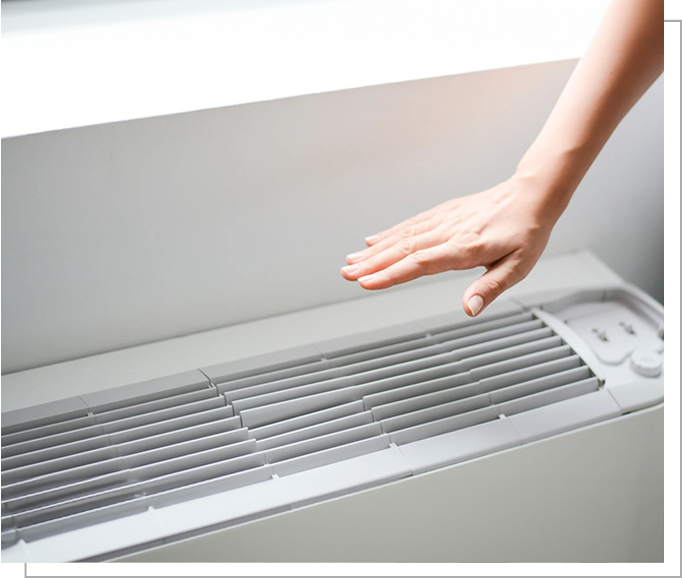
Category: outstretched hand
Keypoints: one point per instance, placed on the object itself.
(504, 229)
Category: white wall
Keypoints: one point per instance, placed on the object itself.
(123, 233)
(69, 63)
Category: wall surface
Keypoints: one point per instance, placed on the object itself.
(147, 58)
(124, 233)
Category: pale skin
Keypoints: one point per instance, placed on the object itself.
(506, 228)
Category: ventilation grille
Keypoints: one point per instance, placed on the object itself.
(188, 435)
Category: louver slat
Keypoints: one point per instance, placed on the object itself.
(535, 371)
(155, 405)
(152, 418)
(331, 426)
(36, 525)
(426, 400)
(444, 425)
(18, 458)
(40, 468)
(161, 415)
(322, 442)
(461, 379)
(260, 416)
(127, 492)
(113, 415)
(374, 358)
(186, 438)
(307, 419)
(540, 384)
(331, 455)
(47, 430)
(171, 425)
(434, 412)
(549, 396)
(124, 477)
(43, 467)
(59, 439)
(460, 382)
(43, 414)
(335, 360)
(282, 413)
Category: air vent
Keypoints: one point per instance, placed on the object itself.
(240, 423)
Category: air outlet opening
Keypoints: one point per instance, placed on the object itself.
(265, 419)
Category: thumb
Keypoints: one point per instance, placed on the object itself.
(496, 280)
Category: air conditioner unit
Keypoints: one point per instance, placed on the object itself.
(533, 432)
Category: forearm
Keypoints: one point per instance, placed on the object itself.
(622, 61)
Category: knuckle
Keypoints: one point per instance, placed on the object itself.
(434, 227)
(370, 264)
(469, 249)
(454, 242)
(471, 240)
(406, 246)
(515, 269)
(494, 287)
(408, 232)
(422, 258)
(519, 272)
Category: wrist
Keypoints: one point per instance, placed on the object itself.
(538, 196)
(549, 180)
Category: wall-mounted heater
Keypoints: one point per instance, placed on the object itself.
(532, 432)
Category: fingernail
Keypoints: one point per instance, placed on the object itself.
(350, 269)
(475, 304)
(371, 239)
(354, 256)
(366, 278)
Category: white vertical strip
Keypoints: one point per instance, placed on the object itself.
(672, 289)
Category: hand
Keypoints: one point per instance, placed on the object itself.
(505, 229)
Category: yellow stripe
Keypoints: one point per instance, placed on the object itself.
(672, 142)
